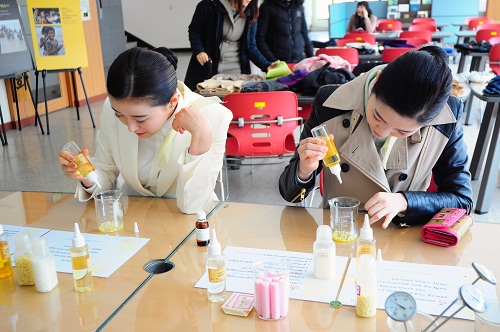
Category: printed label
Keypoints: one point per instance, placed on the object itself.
(216, 275)
(203, 234)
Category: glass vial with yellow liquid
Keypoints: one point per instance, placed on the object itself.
(5, 261)
(83, 164)
(332, 158)
(80, 260)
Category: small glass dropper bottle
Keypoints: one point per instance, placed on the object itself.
(80, 260)
(83, 164)
(332, 158)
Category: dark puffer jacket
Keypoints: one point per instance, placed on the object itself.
(282, 31)
(205, 35)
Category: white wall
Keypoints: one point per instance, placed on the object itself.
(159, 22)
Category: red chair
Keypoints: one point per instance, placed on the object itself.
(361, 37)
(425, 34)
(495, 58)
(494, 26)
(386, 20)
(429, 20)
(390, 54)
(263, 124)
(478, 21)
(344, 41)
(417, 42)
(390, 26)
(346, 53)
(422, 27)
(487, 34)
(468, 19)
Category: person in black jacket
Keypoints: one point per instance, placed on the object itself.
(394, 128)
(222, 34)
(282, 33)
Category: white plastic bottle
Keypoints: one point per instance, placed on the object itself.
(366, 286)
(216, 271)
(324, 253)
(366, 241)
(44, 266)
(23, 258)
(80, 260)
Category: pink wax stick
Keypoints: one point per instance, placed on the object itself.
(266, 301)
(275, 300)
(258, 296)
(284, 295)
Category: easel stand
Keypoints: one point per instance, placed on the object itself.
(72, 71)
(19, 80)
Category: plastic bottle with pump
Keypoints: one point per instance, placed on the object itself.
(80, 260)
(366, 241)
(83, 164)
(5, 262)
(202, 229)
(216, 271)
(324, 254)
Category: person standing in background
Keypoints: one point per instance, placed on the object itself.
(282, 33)
(223, 31)
(363, 19)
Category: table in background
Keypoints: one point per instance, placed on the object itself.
(170, 302)
(464, 36)
(478, 62)
(63, 309)
(488, 143)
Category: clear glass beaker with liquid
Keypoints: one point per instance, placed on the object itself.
(109, 211)
(344, 218)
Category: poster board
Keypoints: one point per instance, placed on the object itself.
(15, 56)
(57, 32)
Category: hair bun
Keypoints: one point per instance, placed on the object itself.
(169, 54)
(437, 52)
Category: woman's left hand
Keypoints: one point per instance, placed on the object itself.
(190, 119)
(386, 205)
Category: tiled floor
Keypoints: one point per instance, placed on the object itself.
(29, 162)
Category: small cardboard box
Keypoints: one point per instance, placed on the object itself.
(238, 304)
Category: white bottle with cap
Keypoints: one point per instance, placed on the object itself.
(216, 271)
(324, 254)
(366, 241)
(83, 164)
(44, 266)
(80, 260)
(366, 286)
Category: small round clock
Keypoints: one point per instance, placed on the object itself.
(473, 298)
(401, 306)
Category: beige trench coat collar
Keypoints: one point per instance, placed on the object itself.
(350, 96)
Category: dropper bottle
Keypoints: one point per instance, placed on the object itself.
(83, 164)
(366, 241)
(332, 157)
(216, 270)
(80, 260)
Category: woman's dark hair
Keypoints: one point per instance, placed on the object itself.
(251, 11)
(359, 21)
(144, 74)
(416, 84)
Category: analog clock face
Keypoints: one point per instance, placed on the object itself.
(400, 306)
(473, 298)
(484, 273)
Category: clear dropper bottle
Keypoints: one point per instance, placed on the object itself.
(80, 260)
(216, 270)
(332, 157)
(83, 164)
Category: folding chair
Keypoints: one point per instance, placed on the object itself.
(423, 26)
(390, 54)
(425, 34)
(390, 26)
(263, 124)
(361, 37)
(495, 59)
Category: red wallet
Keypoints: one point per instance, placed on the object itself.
(447, 227)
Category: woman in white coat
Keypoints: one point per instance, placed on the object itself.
(161, 138)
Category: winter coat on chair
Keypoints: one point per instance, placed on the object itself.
(205, 35)
(282, 33)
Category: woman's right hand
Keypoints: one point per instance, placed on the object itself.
(311, 150)
(68, 166)
(202, 58)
